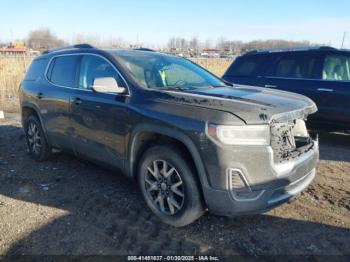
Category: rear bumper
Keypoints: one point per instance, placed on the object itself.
(290, 178)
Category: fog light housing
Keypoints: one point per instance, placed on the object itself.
(237, 182)
(239, 187)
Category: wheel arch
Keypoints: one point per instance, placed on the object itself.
(28, 109)
(144, 136)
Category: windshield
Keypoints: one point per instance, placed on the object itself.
(167, 72)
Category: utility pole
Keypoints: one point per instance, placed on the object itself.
(342, 44)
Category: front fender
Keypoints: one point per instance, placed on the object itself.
(172, 133)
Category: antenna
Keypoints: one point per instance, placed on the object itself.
(342, 44)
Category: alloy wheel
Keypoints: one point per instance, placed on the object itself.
(34, 139)
(164, 187)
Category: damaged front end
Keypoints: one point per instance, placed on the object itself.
(289, 136)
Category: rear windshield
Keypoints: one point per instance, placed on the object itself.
(36, 70)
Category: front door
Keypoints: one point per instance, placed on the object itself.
(99, 120)
(298, 73)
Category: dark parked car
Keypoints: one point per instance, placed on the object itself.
(320, 73)
(190, 141)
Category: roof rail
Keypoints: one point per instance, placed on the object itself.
(273, 50)
(324, 47)
(77, 46)
(144, 49)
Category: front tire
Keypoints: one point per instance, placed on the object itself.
(39, 149)
(169, 186)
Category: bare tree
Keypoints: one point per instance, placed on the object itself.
(183, 44)
(178, 44)
(43, 39)
(94, 40)
(221, 43)
(194, 45)
(274, 43)
(172, 43)
(118, 42)
(208, 43)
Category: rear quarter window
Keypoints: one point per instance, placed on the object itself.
(63, 70)
(245, 66)
(36, 70)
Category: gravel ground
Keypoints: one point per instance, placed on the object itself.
(67, 206)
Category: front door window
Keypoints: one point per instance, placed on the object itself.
(93, 67)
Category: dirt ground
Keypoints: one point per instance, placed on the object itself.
(68, 206)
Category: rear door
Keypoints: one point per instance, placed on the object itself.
(99, 120)
(334, 88)
(61, 78)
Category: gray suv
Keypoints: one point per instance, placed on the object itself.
(189, 140)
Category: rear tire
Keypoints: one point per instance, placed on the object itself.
(169, 186)
(39, 149)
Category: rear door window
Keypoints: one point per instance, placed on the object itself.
(295, 66)
(245, 66)
(336, 68)
(63, 70)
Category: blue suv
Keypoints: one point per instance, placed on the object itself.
(320, 73)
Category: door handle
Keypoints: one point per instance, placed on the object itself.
(40, 95)
(325, 90)
(270, 86)
(77, 101)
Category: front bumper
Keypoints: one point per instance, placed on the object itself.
(273, 183)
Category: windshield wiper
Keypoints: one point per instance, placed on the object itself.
(179, 88)
(176, 88)
(204, 87)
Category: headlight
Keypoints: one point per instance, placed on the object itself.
(240, 135)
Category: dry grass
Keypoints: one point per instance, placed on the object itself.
(12, 70)
(217, 66)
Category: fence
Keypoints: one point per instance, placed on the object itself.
(13, 68)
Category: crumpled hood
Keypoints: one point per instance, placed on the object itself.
(254, 105)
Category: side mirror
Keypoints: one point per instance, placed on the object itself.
(107, 85)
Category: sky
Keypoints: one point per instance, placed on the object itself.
(154, 22)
